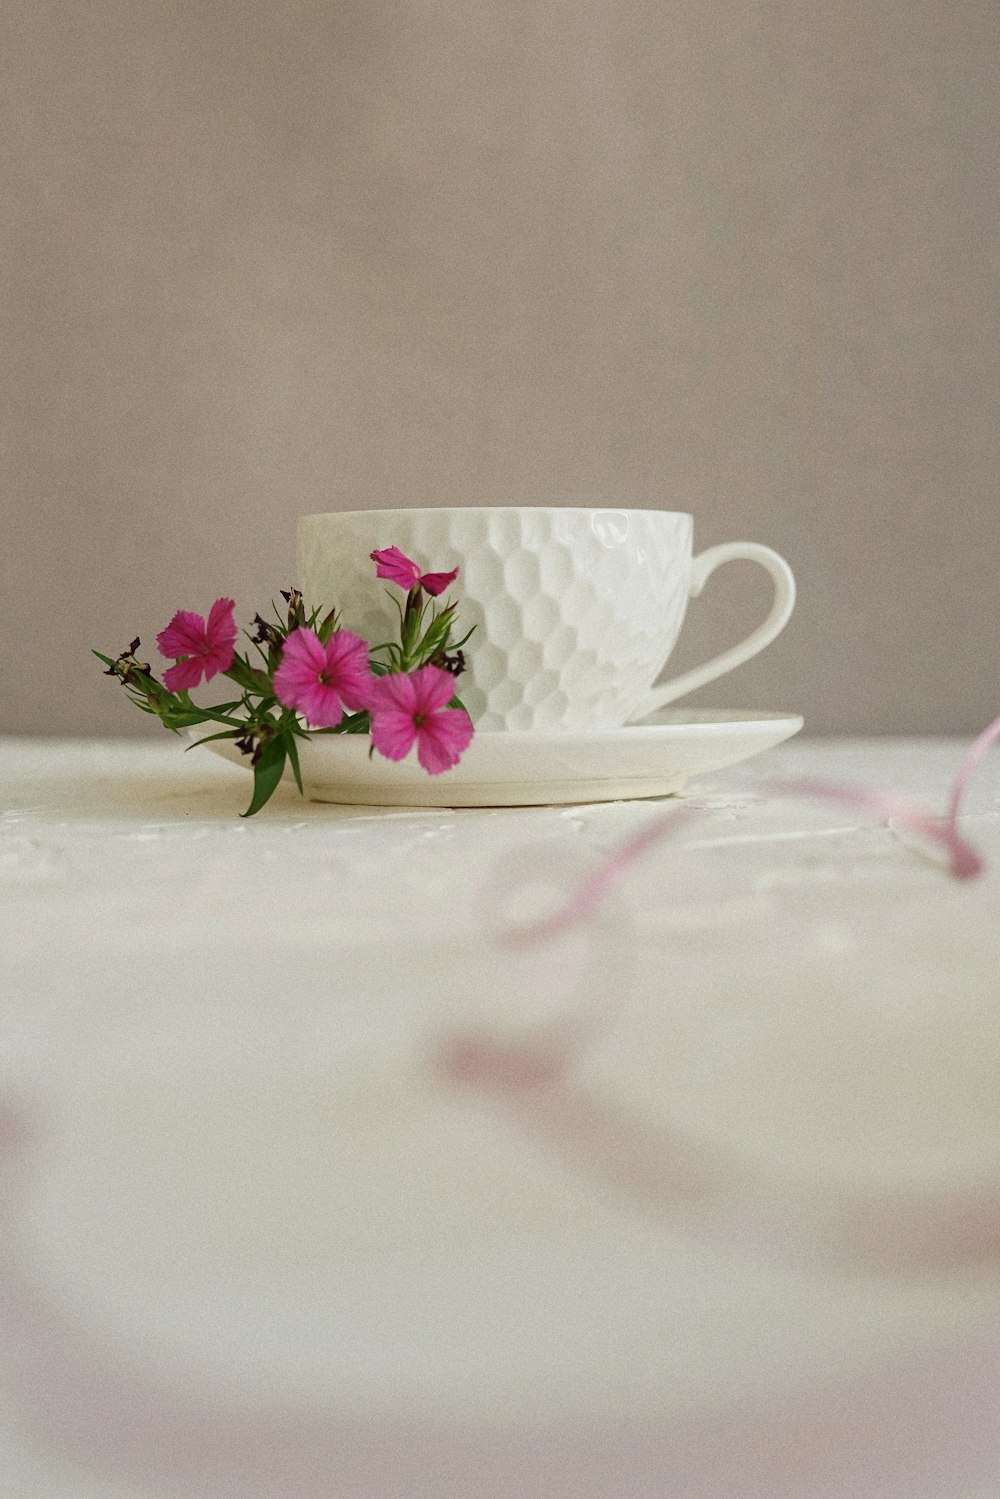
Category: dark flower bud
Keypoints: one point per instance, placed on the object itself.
(254, 739)
(454, 663)
(266, 634)
(296, 608)
(126, 666)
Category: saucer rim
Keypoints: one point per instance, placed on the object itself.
(674, 720)
(722, 720)
(528, 768)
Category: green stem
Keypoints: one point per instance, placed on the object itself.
(235, 723)
(410, 632)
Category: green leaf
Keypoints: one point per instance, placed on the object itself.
(357, 723)
(327, 626)
(102, 657)
(394, 600)
(351, 723)
(293, 760)
(180, 720)
(267, 774)
(186, 717)
(226, 734)
(251, 678)
(436, 636)
(395, 662)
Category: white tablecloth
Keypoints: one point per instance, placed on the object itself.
(313, 1187)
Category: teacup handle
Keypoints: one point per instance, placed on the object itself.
(702, 567)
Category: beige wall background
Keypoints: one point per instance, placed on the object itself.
(261, 259)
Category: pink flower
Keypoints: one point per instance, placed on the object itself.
(205, 648)
(392, 564)
(407, 707)
(320, 681)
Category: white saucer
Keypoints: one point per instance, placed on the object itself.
(653, 758)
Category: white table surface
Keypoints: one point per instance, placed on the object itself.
(748, 1244)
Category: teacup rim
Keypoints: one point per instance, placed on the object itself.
(496, 510)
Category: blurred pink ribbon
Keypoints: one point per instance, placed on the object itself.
(883, 804)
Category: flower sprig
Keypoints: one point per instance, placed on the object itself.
(311, 676)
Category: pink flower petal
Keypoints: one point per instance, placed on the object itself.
(408, 706)
(184, 636)
(435, 583)
(347, 668)
(218, 658)
(303, 652)
(393, 733)
(210, 646)
(297, 681)
(433, 688)
(221, 627)
(321, 705)
(184, 675)
(442, 738)
(320, 681)
(393, 693)
(221, 633)
(394, 565)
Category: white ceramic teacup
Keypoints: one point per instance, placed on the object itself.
(576, 610)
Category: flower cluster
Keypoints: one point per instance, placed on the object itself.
(313, 677)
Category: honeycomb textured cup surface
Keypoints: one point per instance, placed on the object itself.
(575, 612)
